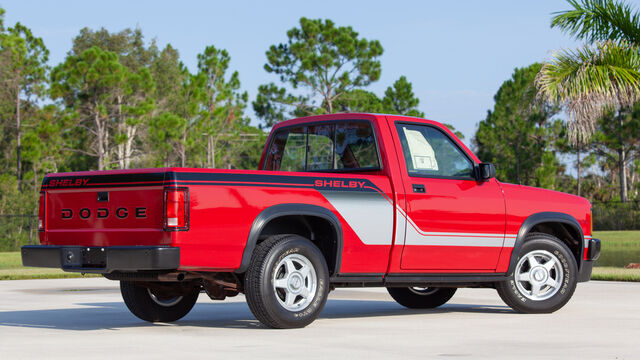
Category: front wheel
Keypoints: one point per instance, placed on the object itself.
(287, 282)
(163, 303)
(544, 278)
(421, 298)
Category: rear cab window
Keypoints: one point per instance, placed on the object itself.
(325, 147)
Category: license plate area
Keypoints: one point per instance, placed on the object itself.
(84, 257)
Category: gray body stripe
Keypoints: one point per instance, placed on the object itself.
(509, 242)
(370, 215)
(413, 237)
(401, 227)
(416, 236)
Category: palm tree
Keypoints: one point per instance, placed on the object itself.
(602, 75)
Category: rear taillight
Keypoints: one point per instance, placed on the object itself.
(176, 209)
(41, 213)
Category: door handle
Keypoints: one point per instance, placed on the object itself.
(418, 188)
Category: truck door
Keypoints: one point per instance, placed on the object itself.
(454, 222)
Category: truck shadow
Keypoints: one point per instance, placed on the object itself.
(115, 315)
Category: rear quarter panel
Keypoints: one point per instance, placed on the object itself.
(222, 213)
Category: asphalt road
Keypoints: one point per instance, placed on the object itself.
(86, 318)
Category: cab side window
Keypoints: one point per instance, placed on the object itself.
(293, 157)
(355, 146)
(287, 151)
(320, 148)
(429, 152)
(341, 146)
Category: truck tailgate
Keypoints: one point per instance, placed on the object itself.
(116, 216)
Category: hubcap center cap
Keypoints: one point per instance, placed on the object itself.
(539, 274)
(295, 282)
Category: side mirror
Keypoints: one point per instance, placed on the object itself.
(486, 171)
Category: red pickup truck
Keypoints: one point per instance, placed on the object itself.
(340, 200)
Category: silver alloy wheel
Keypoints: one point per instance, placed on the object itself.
(166, 303)
(424, 291)
(295, 282)
(539, 275)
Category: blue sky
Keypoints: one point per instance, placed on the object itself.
(456, 53)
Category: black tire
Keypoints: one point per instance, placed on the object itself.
(421, 298)
(151, 305)
(266, 301)
(519, 295)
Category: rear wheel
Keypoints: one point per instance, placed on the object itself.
(544, 278)
(163, 303)
(421, 297)
(287, 283)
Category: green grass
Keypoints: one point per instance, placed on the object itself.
(11, 269)
(38, 273)
(619, 248)
(10, 260)
(615, 274)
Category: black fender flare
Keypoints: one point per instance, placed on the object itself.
(543, 217)
(276, 211)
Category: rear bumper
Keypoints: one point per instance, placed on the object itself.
(102, 259)
(593, 253)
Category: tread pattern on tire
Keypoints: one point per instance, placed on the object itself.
(252, 284)
(257, 269)
(141, 305)
(504, 288)
(406, 298)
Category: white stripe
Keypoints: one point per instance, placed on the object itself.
(452, 234)
(401, 227)
(428, 233)
(402, 213)
(371, 217)
(452, 241)
(415, 236)
(509, 242)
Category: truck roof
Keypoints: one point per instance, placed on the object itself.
(339, 116)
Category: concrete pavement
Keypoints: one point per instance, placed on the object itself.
(86, 319)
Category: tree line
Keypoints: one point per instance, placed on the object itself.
(118, 101)
(535, 143)
(597, 86)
